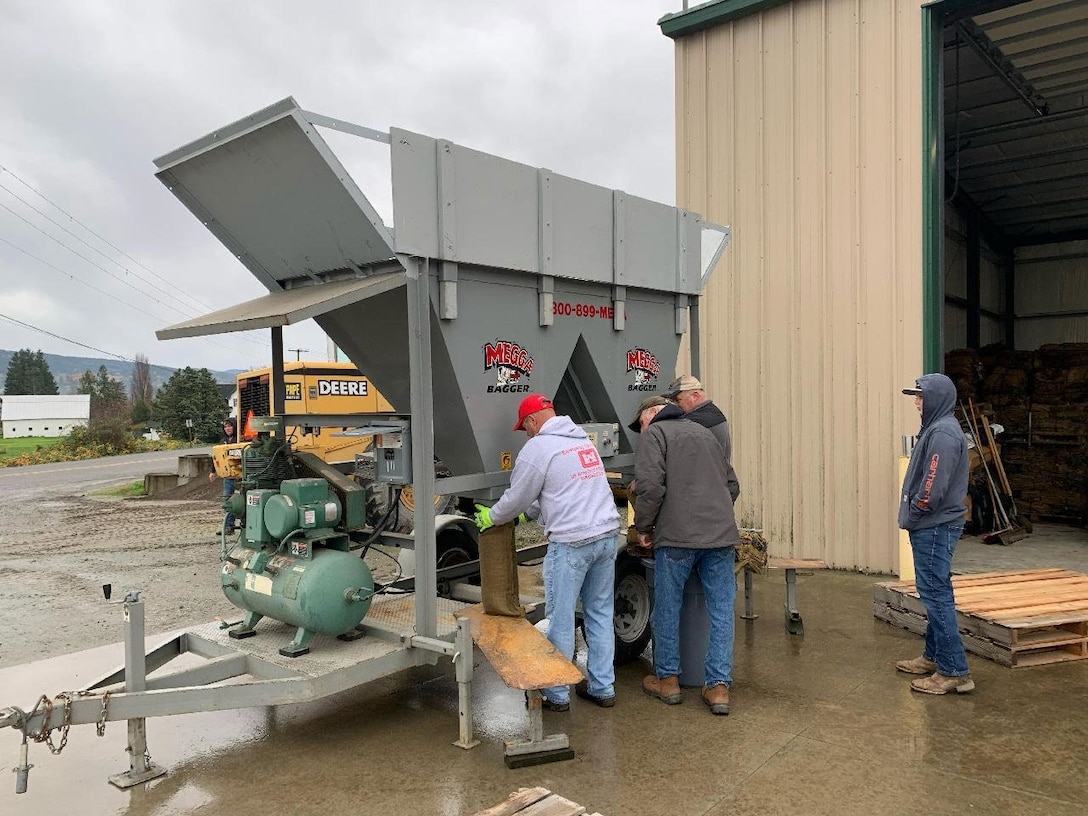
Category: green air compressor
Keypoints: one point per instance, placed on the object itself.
(292, 565)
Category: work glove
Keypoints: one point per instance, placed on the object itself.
(483, 517)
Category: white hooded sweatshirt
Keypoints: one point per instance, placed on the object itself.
(559, 477)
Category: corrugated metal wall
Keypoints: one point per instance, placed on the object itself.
(1051, 294)
(801, 128)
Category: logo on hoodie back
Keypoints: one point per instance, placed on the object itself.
(512, 363)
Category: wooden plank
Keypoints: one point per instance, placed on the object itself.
(1046, 639)
(515, 802)
(520, 654)
(553, 805)
(1046, 658)
(796, 563)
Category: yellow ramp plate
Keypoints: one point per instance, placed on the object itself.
(521, 655)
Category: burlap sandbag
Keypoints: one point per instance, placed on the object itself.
(499, 571)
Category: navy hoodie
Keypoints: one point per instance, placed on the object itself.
(935, 486)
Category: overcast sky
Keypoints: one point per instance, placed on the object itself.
(93, 91)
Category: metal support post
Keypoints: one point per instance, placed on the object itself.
(794, 624)
(140, 766)
(462, 664)
(749, 605)
(422, 406)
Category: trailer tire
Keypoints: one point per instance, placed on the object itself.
(633, 603)
(455, 546)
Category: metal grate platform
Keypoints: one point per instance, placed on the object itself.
(394, 615)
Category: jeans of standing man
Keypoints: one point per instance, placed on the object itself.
(933, 548)
(587, 572)
(672, 566)
(228, 491)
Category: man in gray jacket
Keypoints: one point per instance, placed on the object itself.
(680, 478)
(687, 392)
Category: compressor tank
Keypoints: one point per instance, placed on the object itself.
(309, 590)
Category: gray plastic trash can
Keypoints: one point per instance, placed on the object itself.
(694, 628)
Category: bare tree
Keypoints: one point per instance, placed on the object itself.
(141, 381)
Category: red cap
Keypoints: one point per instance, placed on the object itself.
(530, 405)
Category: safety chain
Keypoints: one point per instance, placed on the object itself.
(45, 734)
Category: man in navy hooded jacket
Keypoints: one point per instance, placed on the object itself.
(931, 510)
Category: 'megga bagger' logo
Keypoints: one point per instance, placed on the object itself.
(645, 367)
(512, 365)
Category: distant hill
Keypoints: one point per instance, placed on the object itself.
(68, 370)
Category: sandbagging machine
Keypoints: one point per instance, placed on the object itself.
(495, 280)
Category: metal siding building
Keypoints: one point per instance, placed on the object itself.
(43, 415)
(799, 127)
(902, 178)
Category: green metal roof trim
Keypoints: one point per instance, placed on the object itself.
(708, 15)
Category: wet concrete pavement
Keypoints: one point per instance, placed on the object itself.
(821, 724)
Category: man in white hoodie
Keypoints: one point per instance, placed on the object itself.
(559, 478)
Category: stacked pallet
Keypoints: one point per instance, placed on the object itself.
(1041, 398)
(1018, 619)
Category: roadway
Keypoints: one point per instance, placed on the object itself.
(67, 478)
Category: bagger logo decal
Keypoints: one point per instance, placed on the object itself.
(512, 364)
(645, 367)
(341, 388)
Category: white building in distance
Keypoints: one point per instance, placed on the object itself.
(43, 415)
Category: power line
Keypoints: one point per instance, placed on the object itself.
(44, 197)
(76, 279)
(96, 249)
(142, 311)
(65, 339)
(92, 263)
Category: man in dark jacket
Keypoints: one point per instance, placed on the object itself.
(688, 393)
(680, 477)
(931, 510)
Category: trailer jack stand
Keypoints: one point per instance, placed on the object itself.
(140, 767)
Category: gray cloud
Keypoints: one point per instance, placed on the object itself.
(102, 88)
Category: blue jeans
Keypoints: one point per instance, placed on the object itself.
(228, 491)
(933, 549)
(672, 566)
(587, 572)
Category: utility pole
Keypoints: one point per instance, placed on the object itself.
(298, 353)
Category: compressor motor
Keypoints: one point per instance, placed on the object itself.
(292, 561)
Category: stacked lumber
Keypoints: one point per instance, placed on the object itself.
(1041, 399)
(1018, 619)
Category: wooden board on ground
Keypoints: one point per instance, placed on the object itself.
(535, 802)
(1017, 618)
(521, 655)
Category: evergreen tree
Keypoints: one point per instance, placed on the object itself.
(108, 399)
(28, 373)
(191, 394)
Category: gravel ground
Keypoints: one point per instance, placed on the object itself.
(56, 552)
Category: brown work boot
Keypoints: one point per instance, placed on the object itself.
(938, 683)
(666, 689)
(917, 665)
(717, 697)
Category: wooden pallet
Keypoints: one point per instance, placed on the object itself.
(535, 802)
(1019, 618)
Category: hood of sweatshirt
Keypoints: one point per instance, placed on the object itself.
(938, 397)
(670, 411)
(560, 425)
